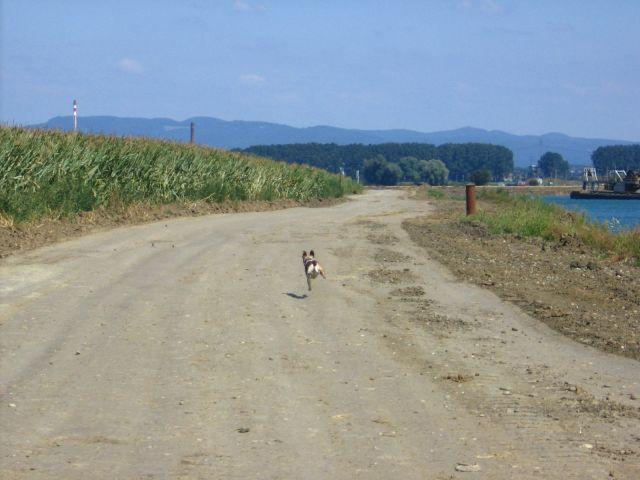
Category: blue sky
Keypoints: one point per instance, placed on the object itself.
(520, 66)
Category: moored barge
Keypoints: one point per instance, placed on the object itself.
(619, 185)
(603, 195)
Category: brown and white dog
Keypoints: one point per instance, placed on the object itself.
(311, 267)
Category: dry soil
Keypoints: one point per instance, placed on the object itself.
(190, 348)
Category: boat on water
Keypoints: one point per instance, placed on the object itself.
(617, 185)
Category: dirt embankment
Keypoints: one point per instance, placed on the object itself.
(564, 284)
(38, 233)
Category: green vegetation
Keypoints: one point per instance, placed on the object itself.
(508, 213)
(44, 173)
(552, 164)
(459, 159)
(612, 157)
(462, 159)
(532, 217)
(380, 172)
(433, 193)
(433, 172)
(495, 195)
(481, 177)
(409, 169)
(529, 217)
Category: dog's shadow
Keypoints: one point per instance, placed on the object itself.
(296, 296)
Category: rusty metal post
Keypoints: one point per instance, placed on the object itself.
(471, 199)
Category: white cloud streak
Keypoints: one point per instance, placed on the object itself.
(252, 80)
(129, 65)
(487, 6)
(243, 6)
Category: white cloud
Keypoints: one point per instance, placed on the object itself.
(252, 79)
(487, 6)
(243, 6)
(129, 65)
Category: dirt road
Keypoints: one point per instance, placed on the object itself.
(190, 348)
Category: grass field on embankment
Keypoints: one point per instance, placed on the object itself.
(47, 173)
(524, 214)
(529, 216)
(55, 186)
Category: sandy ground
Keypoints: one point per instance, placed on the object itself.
(190, 348)
(564, 283)
(24, 236)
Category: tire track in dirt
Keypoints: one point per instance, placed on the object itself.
(210, 359)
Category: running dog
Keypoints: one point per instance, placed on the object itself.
(311, 267)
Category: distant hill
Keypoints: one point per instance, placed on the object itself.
(527, 149)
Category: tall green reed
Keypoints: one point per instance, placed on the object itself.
(45, 172)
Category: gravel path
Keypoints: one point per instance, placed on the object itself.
(190, 348)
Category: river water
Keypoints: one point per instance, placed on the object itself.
(618, 214)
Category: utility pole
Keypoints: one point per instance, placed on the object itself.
(193, 133)
(75, 115)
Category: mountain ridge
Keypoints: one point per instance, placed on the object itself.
(240, 134)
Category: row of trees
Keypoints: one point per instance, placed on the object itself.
(552, 164)
(379, 171)
(463, 159)
(616, 157)
(460, 159)
(611, 157)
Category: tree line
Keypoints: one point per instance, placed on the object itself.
(460, 160)
(379, 171)
(553, 165)
(616, 157)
